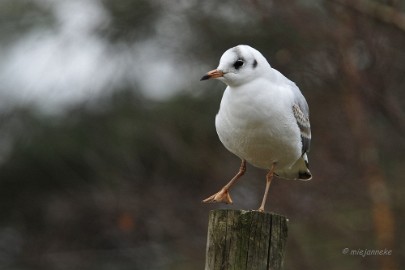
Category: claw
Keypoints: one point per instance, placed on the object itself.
(220, 196)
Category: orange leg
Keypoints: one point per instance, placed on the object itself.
(269, 177)
(223, 194)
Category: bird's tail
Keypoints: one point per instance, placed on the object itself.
(299, 171)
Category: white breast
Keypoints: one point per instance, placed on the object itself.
(258, 125)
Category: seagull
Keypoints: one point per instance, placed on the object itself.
(263, 119)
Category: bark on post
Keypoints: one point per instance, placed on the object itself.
(245, 240)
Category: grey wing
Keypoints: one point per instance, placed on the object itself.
(301, 113)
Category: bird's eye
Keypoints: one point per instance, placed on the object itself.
(238, 63)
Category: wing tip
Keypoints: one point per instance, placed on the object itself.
(304, 176)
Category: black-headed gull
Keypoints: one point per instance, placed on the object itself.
(263, 119)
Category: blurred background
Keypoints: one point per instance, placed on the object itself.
(108, 145)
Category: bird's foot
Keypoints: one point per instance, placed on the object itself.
(260, 210)
(220, 196)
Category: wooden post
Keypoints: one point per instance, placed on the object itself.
(245, 240)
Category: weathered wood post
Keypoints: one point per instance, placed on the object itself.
(245, 240)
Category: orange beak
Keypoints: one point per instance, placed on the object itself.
(212, 74)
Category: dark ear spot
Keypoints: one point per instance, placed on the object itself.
(254, 63)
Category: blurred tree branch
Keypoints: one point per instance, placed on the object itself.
(359, 123)
(391, 108)
(390, 15)
(377, 11)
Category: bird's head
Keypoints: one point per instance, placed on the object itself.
(239, 65)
